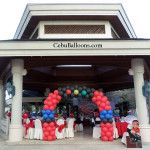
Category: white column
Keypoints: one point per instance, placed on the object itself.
(15, 130)
(2, 101)
(137, 70)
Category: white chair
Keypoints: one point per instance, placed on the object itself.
(38, 133)
(123, 140)
(69, 129)
(81, 124)
(96, 129)
(26, 136)
(60, 135)
(116, 135)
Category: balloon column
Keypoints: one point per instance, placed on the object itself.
(48, 112)
(105, 115)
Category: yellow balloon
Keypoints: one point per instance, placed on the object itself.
(76, 92)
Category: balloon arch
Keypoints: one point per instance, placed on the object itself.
(97, 97)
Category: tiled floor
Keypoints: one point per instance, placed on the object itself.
(79, 139)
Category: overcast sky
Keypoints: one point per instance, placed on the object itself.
(138, 12)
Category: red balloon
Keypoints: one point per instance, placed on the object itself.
(96, 93)
(51, 94)
(100, 94)
(45, 138)
(107, 107)
(49, 103)
(105, 138)
(103, 134)
(98, 103)
(49, 98)
(108, 125)
(46, 133)
(54, 96)
(54, 137)
(68, 91)
(111, 138)
(94, 99)
(52, 124)
(49, 129)
(54, 101)
(54, 128)
(103, 105)
(52, 108)
(59, 97)
(111, 129)
(56, 92)
(102, 124)
(25, 115)
(45, 107)
(104, 129)
(108, 134)
(50, 138)
(98, 98)
(104, 99)
(45, 102)
(52, 133)
(100, 109)
(45, 124)
(107, 103)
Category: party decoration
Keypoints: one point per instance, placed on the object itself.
(97, 97)
(76, 92)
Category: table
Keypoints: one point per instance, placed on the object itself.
(122, 127)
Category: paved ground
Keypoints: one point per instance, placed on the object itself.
(88, 145)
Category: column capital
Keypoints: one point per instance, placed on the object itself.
(18, 67)
(137, 65)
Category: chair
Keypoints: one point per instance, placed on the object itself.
(81, 124)
(116, 135)
(96, 128)
(69, 129)
(38, 133)
(60, 134)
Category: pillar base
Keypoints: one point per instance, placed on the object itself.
(145, 133)
(15, 133)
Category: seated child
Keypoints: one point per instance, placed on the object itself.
(134, 133)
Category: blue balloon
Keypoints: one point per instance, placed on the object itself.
(115, 115)
(104, 112)
(110, 112)
(48, 112)
(51, 116)
(45, 116)
(111, 116)
(107, 116)
(43, 112)
(101, 116)
(53, 112)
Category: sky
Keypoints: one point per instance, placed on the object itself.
(138, 12)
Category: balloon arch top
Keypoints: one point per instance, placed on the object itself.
(97, 97)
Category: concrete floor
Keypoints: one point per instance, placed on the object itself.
(81, 141)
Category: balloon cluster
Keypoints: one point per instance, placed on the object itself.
(107, 131)
(48, 112)
(73, 91)
(48, 116)
(105, 115)
(49, 131)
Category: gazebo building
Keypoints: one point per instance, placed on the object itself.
(74, 44)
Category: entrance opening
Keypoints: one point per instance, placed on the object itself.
(83, 115)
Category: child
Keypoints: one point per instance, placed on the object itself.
(135, 133)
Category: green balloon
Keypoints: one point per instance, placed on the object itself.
(84, 92)
(76, 92)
